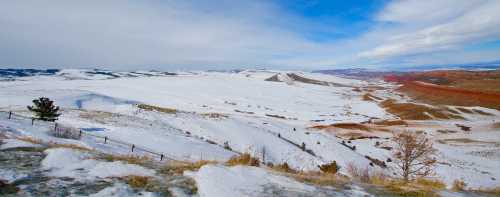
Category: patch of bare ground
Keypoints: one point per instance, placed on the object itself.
(351, 131)
(370, 97)
(214, 115)
(351, 126)
(390, 122)
(496, 125)
(412, 111)
(157, 109)
(468, 141)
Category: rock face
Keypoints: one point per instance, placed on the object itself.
(6, 188)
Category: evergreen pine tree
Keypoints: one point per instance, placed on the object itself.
(45, 109)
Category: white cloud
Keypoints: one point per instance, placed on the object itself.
(134, 33)
(458, 26)
(202, 34)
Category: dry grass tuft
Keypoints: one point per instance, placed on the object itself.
(156, 108)
(178, 167)
(243, 159)
(458, 185)
(283, 168)
(317, 178)
(138, 181)
(330, 168)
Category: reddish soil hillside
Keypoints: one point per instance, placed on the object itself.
(463, 88)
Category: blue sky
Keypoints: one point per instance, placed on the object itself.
(226, 34)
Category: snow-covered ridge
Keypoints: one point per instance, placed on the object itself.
(71, 74)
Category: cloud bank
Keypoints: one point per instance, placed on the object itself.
(198, 34)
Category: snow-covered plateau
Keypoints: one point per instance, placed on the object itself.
(213, 116)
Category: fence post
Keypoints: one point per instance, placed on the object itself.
(161, 157)
(133, 146)
(264, 154)
(10, 114)
(106, 139)
(32, 121)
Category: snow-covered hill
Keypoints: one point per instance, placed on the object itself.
(216, 115)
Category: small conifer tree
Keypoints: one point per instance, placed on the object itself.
(45, 109)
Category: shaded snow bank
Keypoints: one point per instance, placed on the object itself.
(216, 180)
(120, 190)
(220, 181)
(63, 162)
(14, 143)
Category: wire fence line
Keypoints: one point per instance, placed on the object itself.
(64, 131)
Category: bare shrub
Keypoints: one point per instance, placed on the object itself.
(331, 168)
(61, 131)
(459, 185)
(414, 155)
(284, 167)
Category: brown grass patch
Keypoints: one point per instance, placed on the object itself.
(411, 111)
(138, 181)
(156, 108)
(178, 167)
(30, 140)
(132, 159)
(243, 159)
(317, 178)
(52, 144)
